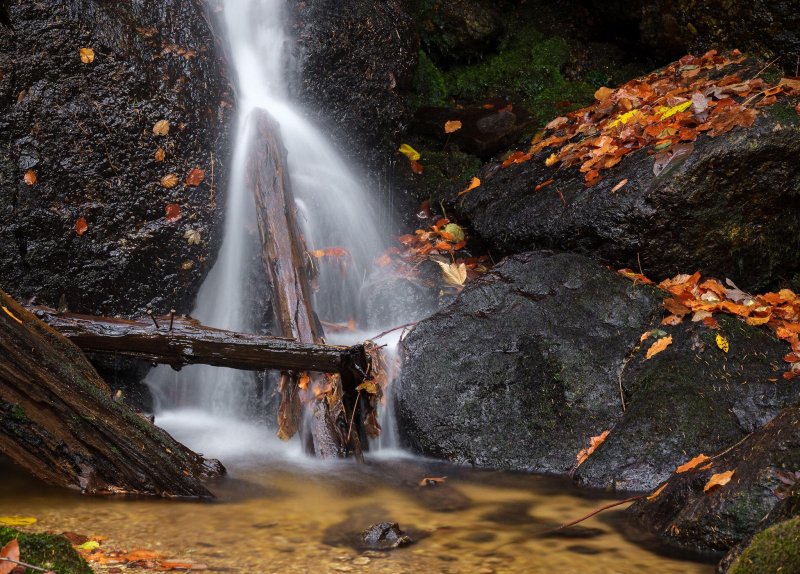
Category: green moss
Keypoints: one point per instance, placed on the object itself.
(429, 84)
(18, 413)
(445, 171)
(46, 551)
(774, 550)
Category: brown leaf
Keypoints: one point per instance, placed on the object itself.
(417, 167)
(594, 442)
(195, 177)
(672, 320)
(696, 461)
(452, 126)
(29, 177)
(81, 226)
(659, 346)
(676, 307)
(602, 93)
(160, 154)
(87, 55)
(718, 480)
(172, 212)
(10, 551)
(161, 128)
(169, 181)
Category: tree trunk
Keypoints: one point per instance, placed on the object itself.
(59, 421)
(284, 257)
(180, 341)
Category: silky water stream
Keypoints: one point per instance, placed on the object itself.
(277, 510)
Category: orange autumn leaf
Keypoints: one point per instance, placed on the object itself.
(86, 55)
(169, 181)
(81, 226)
(160, 154)
(696, 461)
(543, 184)
(672, 320)
(472, 185)
(516, 157)
(172, 212)
(659, 346)
(195, 177)
(417, 167)
(10, 551)
(594, 442)
(718, 480)
(302, 381)
(29, 177)
(452, 126)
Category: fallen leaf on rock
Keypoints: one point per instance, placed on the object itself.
(161, 128)
(160, 154)
(10, 551)
(551, 160)
(87, 55)
(169, 181)
(557, 123)
(432, 480)
(88, 545)
(718, 480)
(472, 185)
(195, 177)
(29, 177)
(453, 274)
(452, 126)
(672, 320)
(657, 491)
(722, 343)
(81, 226)
(602, 93)
(409, 152)
(417, 167)
(659, 346)
(696, 461)
(172, 212)
(192, 237)
(594, 442)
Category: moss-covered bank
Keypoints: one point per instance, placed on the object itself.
(46, 551)
(774, 550)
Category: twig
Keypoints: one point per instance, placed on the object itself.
(150, 314)
(171, 318)
(394, 329)
(593, 513)
(23, 564)
(353, 417)
(765, 67)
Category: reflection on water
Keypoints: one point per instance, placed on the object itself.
(284, 513)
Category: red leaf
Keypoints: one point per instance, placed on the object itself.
(10, 551)
(195, 177)
(81, 226)
(417, 167)
(173, 212)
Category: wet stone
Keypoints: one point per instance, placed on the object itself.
(361, 561)
(385, 536)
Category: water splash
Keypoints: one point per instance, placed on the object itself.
(335, 212)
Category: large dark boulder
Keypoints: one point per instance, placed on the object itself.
(355, 59)
(731, 208)
(531, 360)
(86, 131)
(686, 515)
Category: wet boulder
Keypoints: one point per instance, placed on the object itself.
(458, 30)
(384, 536)
(545, 351)
(776, 549)
(727, 205)
(114, 119)
(760, 491)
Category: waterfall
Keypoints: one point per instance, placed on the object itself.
(335, 211)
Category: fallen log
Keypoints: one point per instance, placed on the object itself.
(284, 257)
(181, 341)
(59, 421)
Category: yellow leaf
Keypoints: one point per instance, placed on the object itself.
(657, 491)
(551, 160)
(87, 55)
(669, 112)
(623, 119)
(161, 128)
(409, 152)
(17, 520)
(169, 181)
(453, 274)
(718, 480)
(722, 343)
(369, 387)
(659, 346)
(88, 545)
(696, 461)
(18, 320)
(452, 126)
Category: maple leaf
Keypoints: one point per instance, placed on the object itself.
(29, 177)
(452, 126)
(453, 274)
(161, 128)
(195, 177)
(659, 346)
(81, 226)
(10, 551)
(86, 55)
(718, 480)
(695, 462)
(172, 212)
(169, 181)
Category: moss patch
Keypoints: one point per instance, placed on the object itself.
(774, 550)
(429, 84)
(46, 551)
(444, 172)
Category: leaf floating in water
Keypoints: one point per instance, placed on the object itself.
(16, 521)
(453, 274)
(409, 152)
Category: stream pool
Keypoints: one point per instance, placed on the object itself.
(280, 512)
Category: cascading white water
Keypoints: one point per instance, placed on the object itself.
(335, 212)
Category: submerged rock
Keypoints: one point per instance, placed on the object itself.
(384, 536)
(84, 179)
(531, 360)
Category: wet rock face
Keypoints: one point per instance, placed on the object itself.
(86, 131)
(531, 360)
(356, 57)
(729, 209)
(686, 515)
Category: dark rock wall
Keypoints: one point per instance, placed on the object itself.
(86, 130)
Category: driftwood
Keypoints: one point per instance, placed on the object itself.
(284, 257)
(180, 341)
(59, 421)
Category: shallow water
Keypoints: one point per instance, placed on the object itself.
(280, 512)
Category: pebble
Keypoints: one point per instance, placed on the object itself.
(361, 561)
(343, 568)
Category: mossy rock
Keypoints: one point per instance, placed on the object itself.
(774, 550)
(46, 551)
